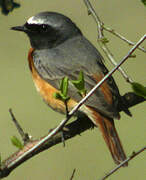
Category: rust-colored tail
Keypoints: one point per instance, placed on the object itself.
(110, 136)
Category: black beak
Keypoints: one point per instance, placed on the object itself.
(19, 28)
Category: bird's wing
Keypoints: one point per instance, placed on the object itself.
(68, 59)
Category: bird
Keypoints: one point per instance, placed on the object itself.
(59, 49)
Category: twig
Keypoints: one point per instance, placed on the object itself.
(67, 111)
(112, 60)
(112, 31)
(25, 137)
(92, 12)
(133, 155)
(101, 37)
(70, 130)
(66, 108)
(73, 173)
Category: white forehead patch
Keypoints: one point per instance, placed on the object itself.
(34, 20)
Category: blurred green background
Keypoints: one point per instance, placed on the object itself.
(87, 153)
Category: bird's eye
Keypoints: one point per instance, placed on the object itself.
(44, 27)
(32, 27)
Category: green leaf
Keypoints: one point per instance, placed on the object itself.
(139, 89)
(144, 2)
(80, 84)
(132, 56)
(104, 40)
(64, 90)
(61, 97)
(16, 142)
(57, 95)
(64, 86)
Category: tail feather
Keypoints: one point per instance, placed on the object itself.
(110, 136)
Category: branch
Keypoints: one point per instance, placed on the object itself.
(133, 155)
(36, 146)
(71, 130)
(25, 137)
(101, 39)
(112, 31)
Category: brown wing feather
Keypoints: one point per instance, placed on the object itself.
(104, 88)
(110, 136)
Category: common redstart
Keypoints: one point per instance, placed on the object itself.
(60, 50)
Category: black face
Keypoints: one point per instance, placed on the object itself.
(39, 28)
(48, 29)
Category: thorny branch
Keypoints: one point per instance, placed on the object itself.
(101, 38)
(36, 146)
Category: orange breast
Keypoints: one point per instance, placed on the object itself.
(46, 90)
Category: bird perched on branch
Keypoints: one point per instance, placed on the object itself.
(59, 49)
